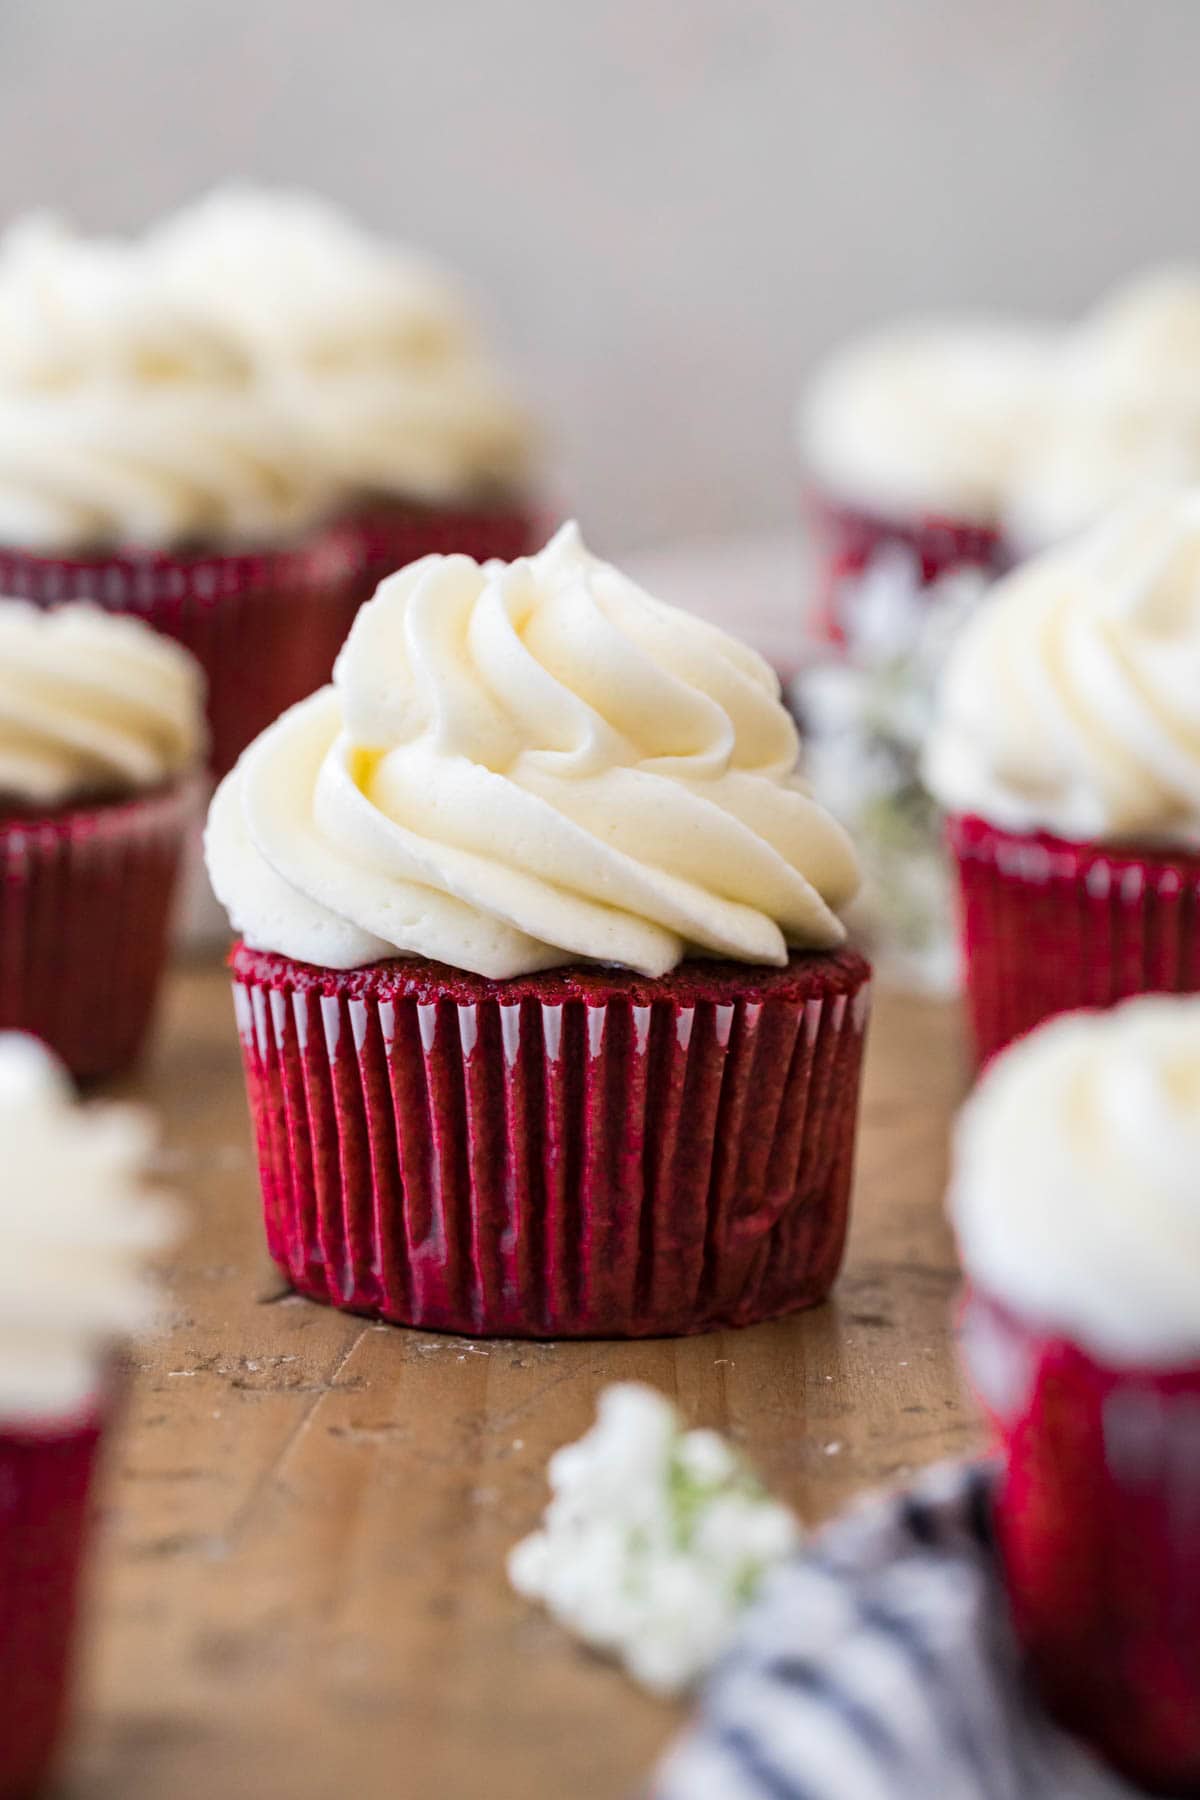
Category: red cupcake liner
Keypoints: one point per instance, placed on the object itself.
(576, 1154)
(45, 1478)
(1098, 1523)
(848, 541)
(85, 906)
(264, 625)
(1050, 926)
(383, 537)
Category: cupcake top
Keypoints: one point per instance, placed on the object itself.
(127, 419)
(77, 1223)
(1071, 701)
(92, 704)
(369, 348)
(1073, 1188)
(926, 418)
(525, 765)
(1123, 409)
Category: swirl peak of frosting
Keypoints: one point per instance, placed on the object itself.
(92, 703)
(77, 1223)
(524, 765)
(1074, 1188)
(1071, 700)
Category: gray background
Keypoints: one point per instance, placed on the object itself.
(669, 206)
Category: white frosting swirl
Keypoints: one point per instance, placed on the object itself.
(368, 348)
(927, 418)
(125, 418)
(92, 703)
(76, 1225)
(1123, 410)
(1074, 1185)
(525, 765)
(1071, 701)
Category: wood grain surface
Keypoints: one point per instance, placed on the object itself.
(300, 1586)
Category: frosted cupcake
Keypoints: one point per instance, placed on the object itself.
(910, 441)
(372, 353)
(1078, 1213)
(76, 1223)
(101, 743)
(548, 1021)
(1067, 753)
(143, 467)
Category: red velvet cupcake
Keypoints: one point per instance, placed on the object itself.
(75, 1224)
(1065, 751)
(1075, 1199)
(101, 734)
(910, 440)
(526, 1049)
(149, 469)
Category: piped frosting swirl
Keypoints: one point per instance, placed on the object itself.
(525, 765)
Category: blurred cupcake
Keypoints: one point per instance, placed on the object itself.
(101, 741)
(1067, 753)
(373, 355)
(910, 440)
(76, 1223)
(548, 1022)
(1123, 410)
(143, 467)
(1075, 1197)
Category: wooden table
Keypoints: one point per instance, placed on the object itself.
(301, 1589)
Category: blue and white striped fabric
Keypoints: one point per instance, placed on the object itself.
(878, 1665)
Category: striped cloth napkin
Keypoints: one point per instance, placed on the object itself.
(878, 1665)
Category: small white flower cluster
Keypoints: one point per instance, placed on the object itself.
(866, 715)
(655, 1540)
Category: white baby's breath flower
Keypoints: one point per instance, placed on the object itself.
(654, 1540)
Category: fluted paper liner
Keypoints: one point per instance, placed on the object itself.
(573, 1154)
(85, 905)
(1098, 1524)
(1050, 926)
(45, 1478)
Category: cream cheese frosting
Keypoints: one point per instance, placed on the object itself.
(524, 765)
(128, 419)
(1122, 410)
(92, 703)
(1071, 701)
(369, 348)
(1074, 1184)
(77, 1222)
(932, 417)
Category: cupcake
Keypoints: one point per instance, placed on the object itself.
(1066, 751)
(548, 1020)
(76, 1222)
(909, 441)
(143, 466)
(373, 355)
(101, 738)
(1078, 1214)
